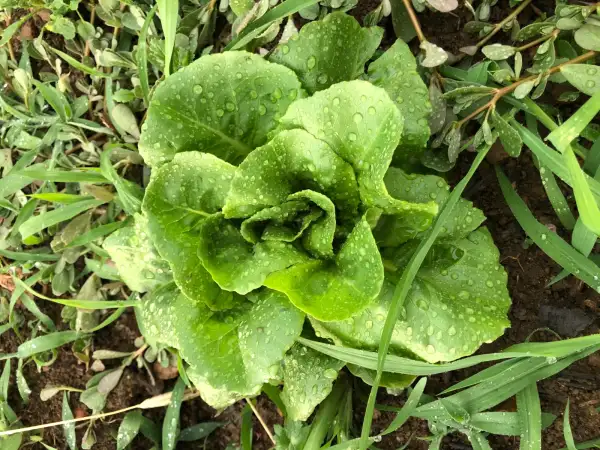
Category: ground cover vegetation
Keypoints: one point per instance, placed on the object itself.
(263, 224)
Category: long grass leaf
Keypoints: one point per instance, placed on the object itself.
(255, 28)
(142, 56)
(167, 10)
(552, 159)
(96, 233)
(404, 286)
(80, 66)
(568, 433)
(557, 199)
(10, 30)
(171, 422)
(63, 176)
(550, 243)
(562, 136)
(407, 409)
(47, 219)
(28, 256)
(399, 364)
(68, 428)
(79, 303)
(586, 203)
(246, 428)
(530, 418)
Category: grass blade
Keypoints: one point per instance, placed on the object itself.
(552, 159)
(570, 130)
(10, 30)
(68, 428)
(79, 303)
(553, 191)
(255, 28)
(550, 243)
(63, 176)
(80, 66)
(129, 429)
(246, 428)
(97, 233)
(47, 219)
(130, 194)
(171, 422)
(27, 256)
(142, 56)
(530, 418)
(404, 286)
(47, 342)
(199, 431)
(586, 203)
(568, 433)
(399, 364)
(407, 409)
(167, 10)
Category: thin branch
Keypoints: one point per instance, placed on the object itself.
(499, 93)
(499, 26)
(86, 51)
(538, 41)
(262, 422)
(153, 402)
(414, 20)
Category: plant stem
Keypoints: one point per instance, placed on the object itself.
(499, 93)
(538, 41)
(325, 416)
(86, 51)
(499, 26)
(261, 420)
(414, 20)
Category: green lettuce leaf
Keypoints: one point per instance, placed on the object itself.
(308, 378)
(231, 353)
(335, 290)
(459, 300)
(292, 161)
(363, 126)
(328, 51)
(236, 264)
(139, 264)
(224, 104)
(392, 231)
(396, 72)
(181, 194)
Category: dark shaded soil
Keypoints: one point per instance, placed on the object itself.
(568, 306)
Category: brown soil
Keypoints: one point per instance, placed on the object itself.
(569, 306)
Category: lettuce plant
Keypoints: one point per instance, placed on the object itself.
(273, 211)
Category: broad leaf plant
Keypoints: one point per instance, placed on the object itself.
(284, 201)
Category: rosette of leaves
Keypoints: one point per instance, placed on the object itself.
(272, 201)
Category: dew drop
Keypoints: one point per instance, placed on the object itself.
(352, 137)
(311, 62)
(197, 89)
(357, 118)
(330, 373)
